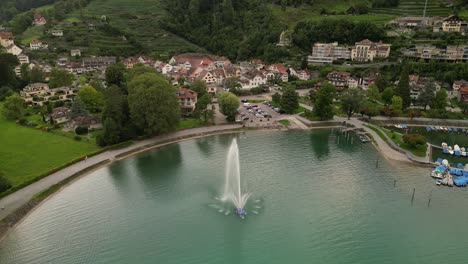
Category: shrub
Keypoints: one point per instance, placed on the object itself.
(81, 130)
(77, 138)
(4, 183)
(414, 139)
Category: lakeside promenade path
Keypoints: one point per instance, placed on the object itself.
(17, 199)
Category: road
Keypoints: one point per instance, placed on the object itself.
(15, 200)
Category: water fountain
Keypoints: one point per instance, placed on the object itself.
(232, 185)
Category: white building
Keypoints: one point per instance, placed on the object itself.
(367, 50)
(13, 49)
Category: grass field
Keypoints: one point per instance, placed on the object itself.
(26, 153)
(31, 34)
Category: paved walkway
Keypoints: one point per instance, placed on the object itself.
(21, 197)
(382, 145)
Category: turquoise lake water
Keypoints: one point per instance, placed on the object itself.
(314, 201)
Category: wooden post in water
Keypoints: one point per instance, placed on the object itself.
(412, 198)
(394, 183)
(377, 163)
(430, 198)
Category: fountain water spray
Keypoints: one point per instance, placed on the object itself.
(232, 187)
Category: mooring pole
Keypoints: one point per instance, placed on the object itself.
(412, 198)
(430, 198)
(394, 183)
(377, 163)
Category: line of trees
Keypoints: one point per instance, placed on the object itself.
(308, 32)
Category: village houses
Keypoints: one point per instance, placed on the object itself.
(40, 93)
(367, 50)
(339, 78)
(6, 39)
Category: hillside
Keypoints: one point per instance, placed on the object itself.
(133, 28)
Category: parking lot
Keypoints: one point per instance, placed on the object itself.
(258, 114)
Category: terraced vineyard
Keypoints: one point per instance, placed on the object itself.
(416, 8)
(139, 18)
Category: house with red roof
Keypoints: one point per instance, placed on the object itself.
(6, 39)
(187, 100)
(39, 20)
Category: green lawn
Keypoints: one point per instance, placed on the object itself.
(285, 122)
(397, 138)
(187, 123)
(31, 34)
(26, 153)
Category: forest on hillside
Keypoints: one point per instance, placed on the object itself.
(237, 29)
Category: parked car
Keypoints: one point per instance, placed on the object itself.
(277, 109)
(245, 118)
(267, 116)
(258, 115)
(244, 101)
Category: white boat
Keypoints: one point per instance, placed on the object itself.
(444, 145)
(450, 150)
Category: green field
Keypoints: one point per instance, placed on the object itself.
(415, 8)
(291, 15)
(26, 153)
(31, 34)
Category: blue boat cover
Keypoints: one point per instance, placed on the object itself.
(460, 181)
(455, 129)
(439, 160)
(463, 130)
(460, 166)
(445, 151)
(457, 153)
(465, 174)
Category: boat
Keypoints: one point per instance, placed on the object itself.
(439, 172)
(450, 150)
(439, 182)
(363, 140)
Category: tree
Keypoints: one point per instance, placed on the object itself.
(370, 109)
(351, 100)
(60, 78)
(78, 108)
(138, 70)
(413, 140)
(233, 85)
(115, 74)
(199, 86)
(397, 105)
(276, 98)
(93, 99)
(120, 127)
(153, 104)
(403, 89)
(387, 95)
(201, 107)
(36, 75)
(440, 100)
(304, 63)
(289, 101)
(427, 95)
(373, 93)
(13, 108)
(323, 107)
(5, 92)
(111, 134)
(228, 105)
(8, 62)
(381, 82)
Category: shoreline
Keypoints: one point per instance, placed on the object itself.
(17, 215)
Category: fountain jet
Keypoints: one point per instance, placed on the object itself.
(232, 185)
